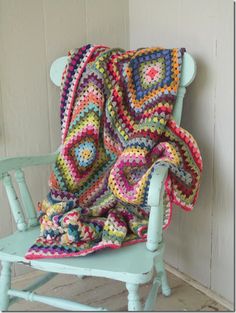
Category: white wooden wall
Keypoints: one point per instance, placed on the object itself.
(35, 32)
(200, 243)
(32, 34)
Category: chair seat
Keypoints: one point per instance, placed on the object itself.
(132, 263)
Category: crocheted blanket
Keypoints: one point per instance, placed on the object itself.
(117, 128)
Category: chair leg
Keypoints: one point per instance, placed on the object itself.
(166, 291)
(5, 285)
(160, 268)
(134, 303)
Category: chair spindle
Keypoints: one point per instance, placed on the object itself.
(14, 203)
(5, 285)
(178, 107)
(26, 198)
(155, 201)
(155, 227)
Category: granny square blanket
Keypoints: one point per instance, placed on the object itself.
(117, 128)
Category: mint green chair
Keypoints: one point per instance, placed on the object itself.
(133, 265)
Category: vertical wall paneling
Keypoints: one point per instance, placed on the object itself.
(23, 85)
(64, 29)
(198, 118)
(5, 223)
(35, 32)
(107, 22)
(223, 206)
(23, 78)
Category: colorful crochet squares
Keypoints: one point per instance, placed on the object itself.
(117, 129)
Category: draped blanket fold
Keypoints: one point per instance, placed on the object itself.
(117, 129)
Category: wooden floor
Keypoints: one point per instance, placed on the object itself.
(113, 295)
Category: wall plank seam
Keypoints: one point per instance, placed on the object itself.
(213, 160)
(46, 73)
(86, 20)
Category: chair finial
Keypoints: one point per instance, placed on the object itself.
(189, 70)
(57, 69)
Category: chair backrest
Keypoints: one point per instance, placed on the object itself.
(15, 164)
(188, 74)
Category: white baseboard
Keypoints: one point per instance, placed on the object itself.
(211, 294)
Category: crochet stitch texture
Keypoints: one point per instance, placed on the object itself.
(117, 128)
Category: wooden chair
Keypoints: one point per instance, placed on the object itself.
(132, 265)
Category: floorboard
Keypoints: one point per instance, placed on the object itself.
(113, 295)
